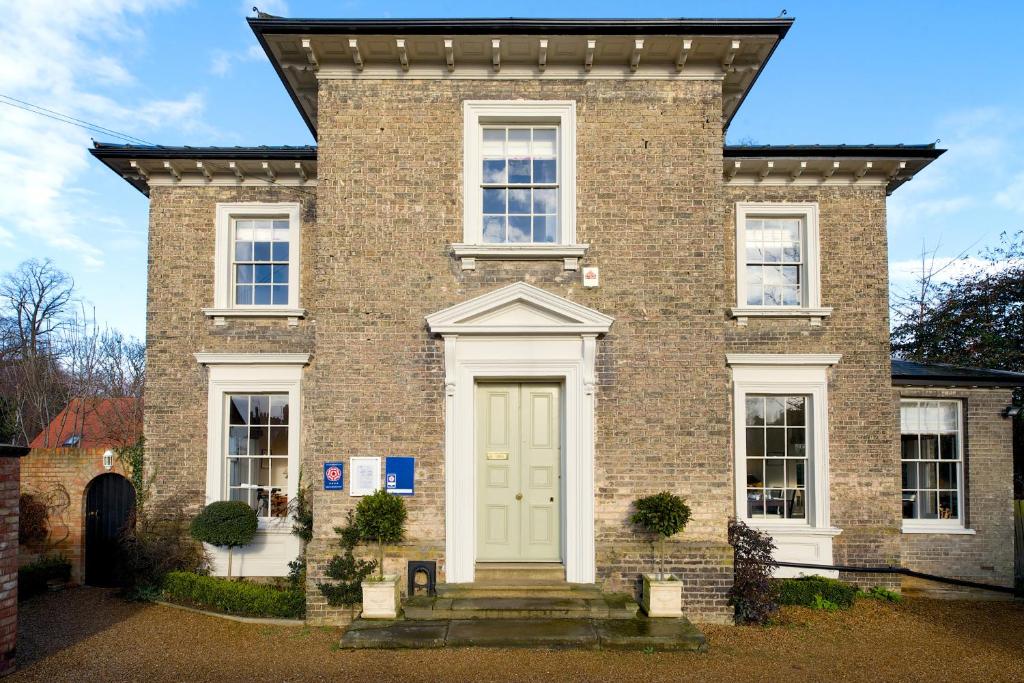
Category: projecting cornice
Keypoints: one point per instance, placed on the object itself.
(304, 51)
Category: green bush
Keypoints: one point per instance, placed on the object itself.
(663, 514)
(157, 543)
(242, 598)
(806, 590)
(227, 524)
(883, 594)
(33, 577)
(380, 518)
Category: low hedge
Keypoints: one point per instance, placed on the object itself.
(242, 598)
(33, 578)
(803, 591)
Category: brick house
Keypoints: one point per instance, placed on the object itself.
(522, 253)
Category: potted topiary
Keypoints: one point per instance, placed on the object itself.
(663, 515)
(380, 519)
(226, 524)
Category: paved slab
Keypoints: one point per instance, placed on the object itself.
(394, 635)
(668, 635)
(537, 633)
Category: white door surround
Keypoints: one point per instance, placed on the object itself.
(519, 332)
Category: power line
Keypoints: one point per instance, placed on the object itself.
(65, 118)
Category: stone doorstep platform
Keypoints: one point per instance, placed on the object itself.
(553, 605)
(639, 633)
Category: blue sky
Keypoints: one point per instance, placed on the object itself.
(178, 72)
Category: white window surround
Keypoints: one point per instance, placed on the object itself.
(520, 332)
(811, 308)
(223, 299)
(477, 113)
(241, 373)
(945, 526)
(798, 540)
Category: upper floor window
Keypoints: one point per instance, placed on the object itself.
(931, 453)
(519, 172)
(257, 265)
(777, 261)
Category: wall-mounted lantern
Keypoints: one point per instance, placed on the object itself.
(108, 459)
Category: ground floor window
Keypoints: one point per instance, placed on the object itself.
(256, 470)
(931, 446)
(776, 456)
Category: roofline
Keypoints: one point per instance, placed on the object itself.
(906, 381)
(512, 26)
(103, 150)
(929, 151)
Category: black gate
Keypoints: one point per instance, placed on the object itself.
(108, 509)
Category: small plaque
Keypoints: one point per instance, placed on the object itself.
(365, 475)
(590, 277)
(497, 456)
(334, 476)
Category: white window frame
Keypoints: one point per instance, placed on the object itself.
(254, 373)
(224, 306)
(810, 306)
(476, 115)
(941, 526)
(807, 540)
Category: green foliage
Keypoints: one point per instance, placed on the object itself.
(753, 594)
(347, 571)
(134, 460)
(157, 543)
(243, 598)
(302, 514)
(380, 518)
(806, 590)
(33, 520)
(664, 515)
(883, 594)
(297, 573)
(225, 523)
(824, 604)
(34, 577)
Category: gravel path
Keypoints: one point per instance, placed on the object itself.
(91, 635)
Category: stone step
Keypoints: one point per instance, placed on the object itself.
(521, 589)
(515, 572)
(601, 606)
(624, 634)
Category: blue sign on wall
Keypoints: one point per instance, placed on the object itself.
(334, 476)
(399, 473)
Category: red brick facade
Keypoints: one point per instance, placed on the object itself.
(9, 474)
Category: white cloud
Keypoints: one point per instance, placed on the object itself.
(61, 56)
(1013, 196)
(223, 61)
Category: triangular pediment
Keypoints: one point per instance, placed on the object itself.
(519, 308)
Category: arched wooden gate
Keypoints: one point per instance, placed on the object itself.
(109, 503)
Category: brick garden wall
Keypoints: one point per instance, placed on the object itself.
(63, 474)
(987, 555)
(9, 474)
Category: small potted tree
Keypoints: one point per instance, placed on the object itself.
(663, 515)
(225, 524)
(380, 519)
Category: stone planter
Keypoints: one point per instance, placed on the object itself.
(662, 595)
(381, 598)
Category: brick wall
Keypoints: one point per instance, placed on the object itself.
(987, 555)
(9, 473)
(62, 476)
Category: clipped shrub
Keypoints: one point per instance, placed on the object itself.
(242, 598)
(346, 571)
(226, 524)
(157, 543)
(753, 595)
(34, 578)
(33, 523)
(806, 590)
(380, 518)
(663, 515)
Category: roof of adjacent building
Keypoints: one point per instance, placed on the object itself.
(93, 423)
(911, 373)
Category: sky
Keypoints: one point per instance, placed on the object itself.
(180, 72)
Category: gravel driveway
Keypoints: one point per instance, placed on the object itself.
(89, 634)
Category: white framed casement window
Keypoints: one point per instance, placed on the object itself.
(257, 261)
(932, 465)
(778, 271)
(519, 172)
(254, 427)
(781, 451)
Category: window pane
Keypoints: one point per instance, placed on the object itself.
(775, 442)
(494, 171)
(948, 508)
(775, 411)
(755, 442)
(243, 251)
(908, 417)
(243, 274)
(775, 503)
(947, 476)
(797, 507)
(947, 417)
(795, 411)
(259, 410)
(908, 447)
(772, 253)
(927, 505)
(261, 251)
(494, 229)
(238, 413)
(790, 275)
(947, 447)
(755, 296)
(755, 473)
(280, 251)
(494, 200)
(929, 447)
(909, 504)
(261, 295)
(545, 201)
(519, 171)
(796, 442)
(262, 274)
(494, 142)
(755, 503)
(278, 409)
(928, 473)
(243, 230)
(775, 473)
(545, 171)
(278, 440)
(755, 254)
(519, 229)
(545, 228)
(796, 474)
(544, 142)
(519, 201)
(755, 410)
(909, 475)
(518, 142)
(279, 295)
(791, 253)
(243, 295)
(259, 441)
(238, 443)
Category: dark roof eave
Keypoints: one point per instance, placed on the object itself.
(103, 150)
(928, 151)
(962, 382)
(511, 26)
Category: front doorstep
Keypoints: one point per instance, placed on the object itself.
(381, 598)
(662, 597)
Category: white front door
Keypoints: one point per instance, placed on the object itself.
(518, 454)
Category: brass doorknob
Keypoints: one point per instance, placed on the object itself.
(519, 496)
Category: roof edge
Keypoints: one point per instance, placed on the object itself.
(106, 150)
(901, 151)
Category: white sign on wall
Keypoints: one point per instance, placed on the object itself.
(364, 473)
(590, 277)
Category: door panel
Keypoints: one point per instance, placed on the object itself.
(518, 472)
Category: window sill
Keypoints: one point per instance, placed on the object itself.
(815, 315)
(221, 315)
(793, 529)
(469, 254)
(937, 529)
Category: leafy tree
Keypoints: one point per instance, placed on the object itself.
(226, 524)
(347, 571)
(380, 518)
(664, 515)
